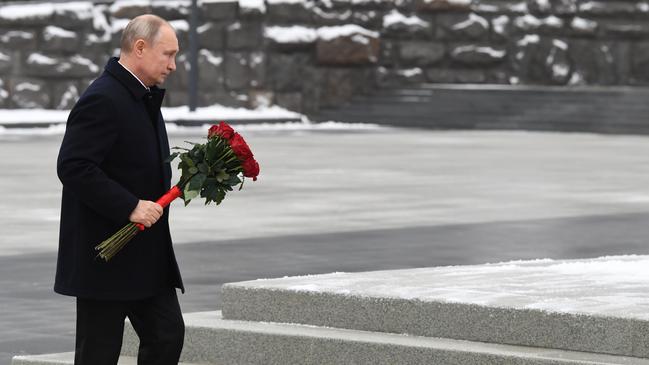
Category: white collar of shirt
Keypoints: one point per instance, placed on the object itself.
(137, 78)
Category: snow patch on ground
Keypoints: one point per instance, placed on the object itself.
(606, 286)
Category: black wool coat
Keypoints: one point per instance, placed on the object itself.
(111, 156)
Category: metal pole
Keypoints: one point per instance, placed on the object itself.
(193, 57)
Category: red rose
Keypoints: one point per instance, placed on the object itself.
(223, 130)
(240, 147)
(250, 168)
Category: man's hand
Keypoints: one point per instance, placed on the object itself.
(146, 212)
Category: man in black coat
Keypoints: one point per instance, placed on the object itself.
(111, 164)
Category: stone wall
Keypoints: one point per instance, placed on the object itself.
(306, 54)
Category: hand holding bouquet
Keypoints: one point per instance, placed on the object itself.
(209, 170)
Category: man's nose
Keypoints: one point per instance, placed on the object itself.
(172, 65)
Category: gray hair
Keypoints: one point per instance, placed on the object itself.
(146, 27)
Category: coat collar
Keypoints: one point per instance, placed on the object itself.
(132, 84)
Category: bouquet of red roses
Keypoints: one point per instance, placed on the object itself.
(210, 170)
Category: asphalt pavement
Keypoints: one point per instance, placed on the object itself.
(354, 200)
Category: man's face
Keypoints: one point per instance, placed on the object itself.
(159, 59)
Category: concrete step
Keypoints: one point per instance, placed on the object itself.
(488, 122)
(66, 358)
(211, 339)
(594, 309)
(583, 109)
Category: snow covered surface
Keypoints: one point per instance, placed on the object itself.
(283, 120)
(291, 34)
(214, 112)
(395, 17)
(302, 34)
(608, 286)
(333, 32)
(83, 9)
(252, 5)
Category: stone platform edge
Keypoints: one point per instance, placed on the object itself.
(471, 322)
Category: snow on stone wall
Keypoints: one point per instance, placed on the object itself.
(306, 54)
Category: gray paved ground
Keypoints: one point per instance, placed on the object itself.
(351, 201)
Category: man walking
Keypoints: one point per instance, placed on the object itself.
(111, 164)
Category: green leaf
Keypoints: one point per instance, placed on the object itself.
(189, 194)
(211, 152)
(187, 160)
(193, 170)
(211, 193)
(220, 195)
(222, 176)
(196, 183)
(203, 168)
(218, 165)
(233, 180)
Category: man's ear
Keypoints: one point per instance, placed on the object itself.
(138, 47)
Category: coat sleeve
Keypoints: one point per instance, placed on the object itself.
(89, 136)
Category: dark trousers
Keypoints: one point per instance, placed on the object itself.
(157, 320)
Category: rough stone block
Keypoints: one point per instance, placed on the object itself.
(128, 10)
(29, 93)
(550, 25)
(338, 85)
(244, 35)
(554, 7)
(172, 10)
(608, 8)
(461, 26)
(389, 77)
(324, 16)
(478, 55)
(219, 10)
(279, 12)
(640, 61)
(544, 61)
(210, 70)
(286, 72)
(4, 95)
(444, 5)
(38, 64)
(23, 40)
(389, 52)
(26, 15)
(371, 19)
(625, 29)
(290, 39)
(97, 44)
(357, 48)
(237, 70)
(421, 53)
(74, 15)
(451, 76)
(179, 80)
(211, 36)
(583, 27)
(291, 101)
(260, 99)
(59, 39)
(363, 5)
(6, 61)
(593, 62)
(398, 25)
(64, 95)
(500, 7)
(253, 10)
